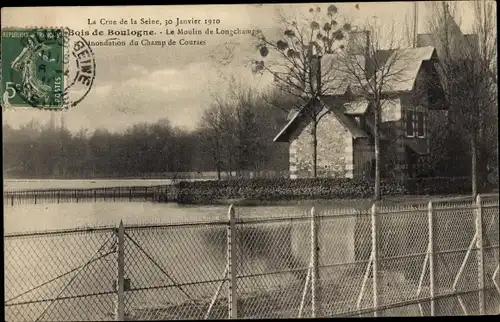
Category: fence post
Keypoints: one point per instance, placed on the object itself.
(146, 194)
(315, 290)
(432, 285)
(130, 194)
(480, 252)
(35, 198)
(120, 283)
(374, 256)
(12, 200)
(231, 261)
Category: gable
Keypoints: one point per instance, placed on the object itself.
(301, 120)
(403, 67)
(431, 82)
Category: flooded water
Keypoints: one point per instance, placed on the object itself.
(70, 266)
(26, 184)
(51, 216)
(194, 256)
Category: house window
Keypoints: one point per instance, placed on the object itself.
(415, 123)
(409, 123)
(420, 124)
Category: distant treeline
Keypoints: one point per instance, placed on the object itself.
(234, 136)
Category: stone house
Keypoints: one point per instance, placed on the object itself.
(345, 145)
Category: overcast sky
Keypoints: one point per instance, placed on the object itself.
(144, 84)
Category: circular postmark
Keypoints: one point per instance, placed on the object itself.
(80, 69)
(50, 68)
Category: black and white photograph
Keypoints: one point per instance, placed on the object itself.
(250, 161)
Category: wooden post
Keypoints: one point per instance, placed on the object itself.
(130, 194)
(95, 195)
(35, 198)
(146, 194)
(76, 195)
(432, 285)
(231, 260)
(120, 284)
(58, 196)
(113, 194)
(375, 256)
(104, 190)
(12, 200)
(480, 252)
(315, 276)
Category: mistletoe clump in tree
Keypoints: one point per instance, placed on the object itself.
(295, 61)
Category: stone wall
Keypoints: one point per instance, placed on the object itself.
(334, 151)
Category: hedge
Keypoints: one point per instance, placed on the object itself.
(206, 192)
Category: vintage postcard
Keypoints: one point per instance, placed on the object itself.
(250, 161)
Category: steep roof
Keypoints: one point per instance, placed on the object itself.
(402, 71)
(399, 69)
(356, 107)
(289, 128)
(402, 68)
(335, 79)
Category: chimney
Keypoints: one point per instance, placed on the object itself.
(317, 68)
(415, 24)
(315, 62)
(359, 42)
(359, 45)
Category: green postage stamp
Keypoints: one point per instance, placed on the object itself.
(33, 68)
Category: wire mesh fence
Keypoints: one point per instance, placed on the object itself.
(64, 275)
(421, 259)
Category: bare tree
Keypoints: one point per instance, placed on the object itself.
(468, 73)
(377, 67)
(295, 60)
(212, 137)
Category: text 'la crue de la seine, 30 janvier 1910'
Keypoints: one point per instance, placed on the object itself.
(156, 32)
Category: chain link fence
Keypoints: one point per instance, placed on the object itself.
(431, 259)
(63, 276)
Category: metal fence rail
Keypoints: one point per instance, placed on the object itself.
(162, 193)
(425, 259)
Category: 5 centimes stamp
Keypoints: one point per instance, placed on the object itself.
(45, 68)
(33, 67)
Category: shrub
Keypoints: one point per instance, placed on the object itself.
(203, 192)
